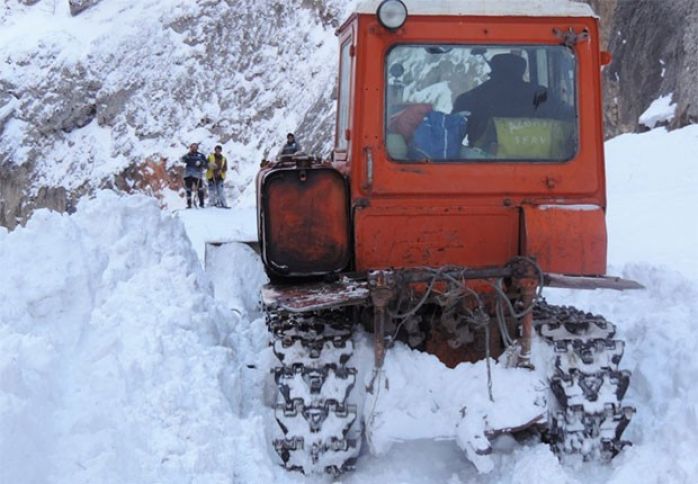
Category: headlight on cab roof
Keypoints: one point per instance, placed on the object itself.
(392, 14)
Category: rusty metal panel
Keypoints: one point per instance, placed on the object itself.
(566, 239)
(316, 297)
(591, 282)
(305, 221)
(435, 236)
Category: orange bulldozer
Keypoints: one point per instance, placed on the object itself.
(467, 174)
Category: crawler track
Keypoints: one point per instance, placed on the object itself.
(317, 427)
(587, 417)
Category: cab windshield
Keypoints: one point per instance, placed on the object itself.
(481, 103)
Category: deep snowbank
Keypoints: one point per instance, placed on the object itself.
(112, 363)
(652, 179)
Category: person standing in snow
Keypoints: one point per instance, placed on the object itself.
(194, 174)
(290, 148)
(215, 175)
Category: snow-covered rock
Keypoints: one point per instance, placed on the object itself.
(84, 98)
(661, 111)
(654, 46)
(77, 6)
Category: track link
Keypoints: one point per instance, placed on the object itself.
(317, 428)
(587, 417)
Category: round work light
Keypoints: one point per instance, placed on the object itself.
(392, 14)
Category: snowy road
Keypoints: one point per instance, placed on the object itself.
(652, 239)
(120, 363)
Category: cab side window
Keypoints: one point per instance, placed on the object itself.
(344, 93)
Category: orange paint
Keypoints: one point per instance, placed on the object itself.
(566, 241)
(471, 214)
(305, 224)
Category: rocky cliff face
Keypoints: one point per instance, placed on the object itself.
(655, 53)
(93, 93)
(90, 90)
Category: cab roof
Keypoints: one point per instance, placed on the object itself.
(489, 8)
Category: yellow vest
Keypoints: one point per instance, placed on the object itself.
(213, 166)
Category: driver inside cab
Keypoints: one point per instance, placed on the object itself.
(505, 113)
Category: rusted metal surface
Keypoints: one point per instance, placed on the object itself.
(412, 236)
(354, 291)
(315, 297)
(493, 433)
(382, 287)
(305, 224)
(423, 275)
(528, 288)
(438, 345)
(601, 282)
(566, 240)
(380, 290)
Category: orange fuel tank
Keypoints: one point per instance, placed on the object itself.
(304, 224)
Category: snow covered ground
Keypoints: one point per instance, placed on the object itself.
(120, 362)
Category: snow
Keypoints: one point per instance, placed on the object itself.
(151, 76)
(219, 225)
(527, 8)
(661, 110)
(111, 355)
(237, 274)
(7, 110)
(416, 398)
(123, 360)
(652, 198)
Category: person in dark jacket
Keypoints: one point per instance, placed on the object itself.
(194, 173)
(291, 147)
(507, 95)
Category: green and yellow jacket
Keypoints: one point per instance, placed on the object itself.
(216, 168)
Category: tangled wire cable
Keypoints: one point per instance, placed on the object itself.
(478, 318)
(503, 300)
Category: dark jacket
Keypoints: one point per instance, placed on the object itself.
(506, 98)
(196, 162)
(290, 148)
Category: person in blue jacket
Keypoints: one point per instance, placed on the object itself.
(194, 173)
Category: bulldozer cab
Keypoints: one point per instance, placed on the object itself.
(472, 133)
